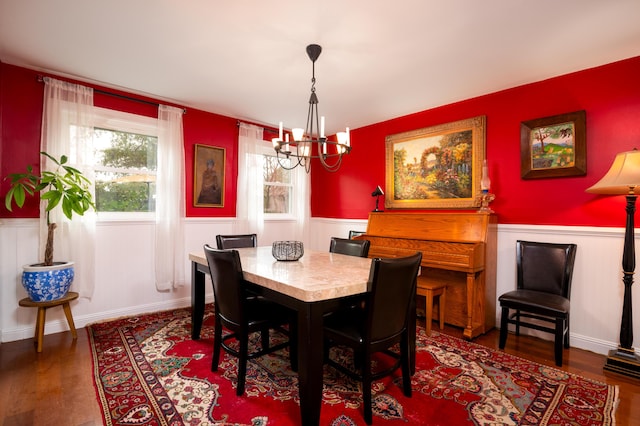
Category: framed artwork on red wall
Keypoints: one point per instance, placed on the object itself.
(436, 167)
(554, 146)
(208, 176)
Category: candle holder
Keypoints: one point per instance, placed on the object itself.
(485, 199)
(485, 196)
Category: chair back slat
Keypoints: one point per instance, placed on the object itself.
(226, 276)
(225, 242)
(392, 287)
(349, 247)
(546, 267)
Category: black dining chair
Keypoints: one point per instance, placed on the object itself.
(359, 248)
(377, 325)
(242, 314)
(544, 273)
(349, 247)
(236, 241)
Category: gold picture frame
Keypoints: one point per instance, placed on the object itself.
(565, 152)
(208, 176)
(436, 167)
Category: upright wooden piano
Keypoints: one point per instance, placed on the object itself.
(457, 248)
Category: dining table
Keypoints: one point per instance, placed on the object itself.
(315, 284)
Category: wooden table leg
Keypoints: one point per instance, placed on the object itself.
(197, 299)
(72, 326)
(310, 361)
(441, 306)
(428, 296)
(42, 313)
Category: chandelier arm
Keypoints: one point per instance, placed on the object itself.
(300, 152)
(330, 167)
(297, 161)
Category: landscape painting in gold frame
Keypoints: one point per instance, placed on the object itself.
(208, 176)
(554, 146)
(436, 167)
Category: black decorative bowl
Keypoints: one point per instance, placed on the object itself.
(287, 250)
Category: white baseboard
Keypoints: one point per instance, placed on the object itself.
(59, 326)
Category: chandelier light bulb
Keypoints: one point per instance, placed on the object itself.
(298, 133)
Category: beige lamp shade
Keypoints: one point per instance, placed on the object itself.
(622, 178)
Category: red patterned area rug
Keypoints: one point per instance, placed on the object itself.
(148, 371)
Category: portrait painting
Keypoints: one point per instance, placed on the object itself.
(208, 176)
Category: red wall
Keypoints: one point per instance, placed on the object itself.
(609, 94)
(21, 97)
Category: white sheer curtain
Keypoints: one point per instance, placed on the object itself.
(170, 253)
(249, 204)
(303, 205)
(67, 129)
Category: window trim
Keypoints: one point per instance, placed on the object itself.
(117, 120)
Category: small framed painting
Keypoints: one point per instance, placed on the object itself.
(208, 176)
(436, 167)
(554, 146)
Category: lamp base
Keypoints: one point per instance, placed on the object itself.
(623, 361)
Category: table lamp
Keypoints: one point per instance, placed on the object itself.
(377, 193)
(623, 178)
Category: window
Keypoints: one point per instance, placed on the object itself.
(278, 186)
(125, 155)
(269, 193)
(125, 171)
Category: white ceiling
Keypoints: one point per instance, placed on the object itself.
(380, 59)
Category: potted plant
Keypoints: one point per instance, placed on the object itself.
(67, 188)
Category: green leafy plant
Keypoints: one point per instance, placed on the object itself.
(66, 187)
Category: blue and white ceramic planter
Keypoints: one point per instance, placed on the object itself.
(45, 283)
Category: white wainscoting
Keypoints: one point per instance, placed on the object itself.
(597, 290)
(125, 286)
(124, 271)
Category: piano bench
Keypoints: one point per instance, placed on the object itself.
(431, 290)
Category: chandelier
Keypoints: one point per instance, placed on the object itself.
(311, 142)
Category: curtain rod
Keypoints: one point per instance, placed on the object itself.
(266, 129)
(119, 96)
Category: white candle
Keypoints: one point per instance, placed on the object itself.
(280, 131)
(485, 182)
(322, 127)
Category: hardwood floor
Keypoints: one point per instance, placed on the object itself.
(55, 387)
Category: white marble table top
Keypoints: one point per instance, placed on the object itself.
(318, 275)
